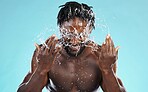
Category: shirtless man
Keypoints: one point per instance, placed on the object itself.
(76, 64)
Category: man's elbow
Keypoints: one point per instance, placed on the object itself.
(23, 88)
(122, 89)
(20, 89)
(26, 88)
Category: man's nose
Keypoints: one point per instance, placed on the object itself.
(74, 40)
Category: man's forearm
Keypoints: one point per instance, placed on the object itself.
(35, 83)
(110, 81)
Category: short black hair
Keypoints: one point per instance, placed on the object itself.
(74, 9)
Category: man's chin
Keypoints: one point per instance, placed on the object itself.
(74, 49)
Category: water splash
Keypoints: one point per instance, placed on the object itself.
(44, 34)
(101, 28)
(66, 33)
(69, 34)
(102, 24)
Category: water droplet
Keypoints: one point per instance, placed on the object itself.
(90, 75)
(78, 79)
(59, 62)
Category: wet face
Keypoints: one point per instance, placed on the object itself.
(75, 32)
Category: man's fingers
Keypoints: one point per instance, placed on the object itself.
(103, 48)
(111, 46)
(37, 47)
(107, 45)
(46, 50)
(53, 45)
(48, 44)
(47, 40)
(57, 50)
(50, 41)
(116, 49)
(111, 42)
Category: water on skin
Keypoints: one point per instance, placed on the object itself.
(67, 34)
(101, 23)
(64, 32)
(83, 35)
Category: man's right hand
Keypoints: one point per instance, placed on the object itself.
(46, 54)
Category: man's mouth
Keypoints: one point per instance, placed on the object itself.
(75, 47)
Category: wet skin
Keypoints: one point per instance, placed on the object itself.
(74, 68)
(72, 74)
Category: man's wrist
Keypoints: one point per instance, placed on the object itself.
(107, 71)
(41, 72)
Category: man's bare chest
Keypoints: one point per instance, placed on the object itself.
(75, 73)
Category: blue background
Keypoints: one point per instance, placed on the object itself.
(24, 22)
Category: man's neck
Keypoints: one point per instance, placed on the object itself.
(70, 52)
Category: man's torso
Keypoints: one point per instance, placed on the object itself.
(76, 74)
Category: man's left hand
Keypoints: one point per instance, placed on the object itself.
(108, 55)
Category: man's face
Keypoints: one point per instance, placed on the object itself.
(75, 32)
